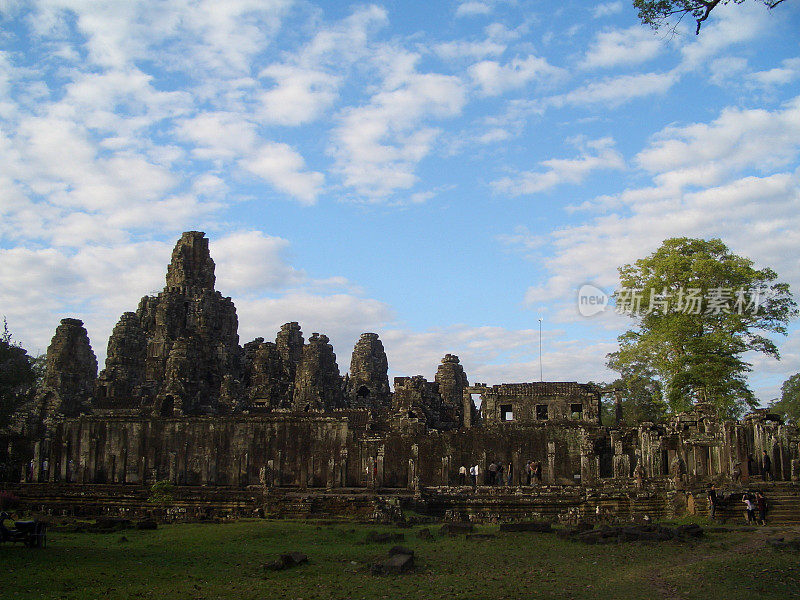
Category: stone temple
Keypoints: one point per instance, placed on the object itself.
(275, 426)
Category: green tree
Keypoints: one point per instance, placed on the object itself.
(639, 390)
(17, 375)
(658, 12)
(699, 308)
(789, 403)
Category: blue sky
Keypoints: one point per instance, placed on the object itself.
(441, 173)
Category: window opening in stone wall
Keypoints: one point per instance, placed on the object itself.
(541, 412)
(576, 410)
(477, 400)
(506, 412)
(363, 392)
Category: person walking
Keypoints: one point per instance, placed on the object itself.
(499, 475)
(462, 475)
(766, 466)
(712, 501)
(492, 472)
(750, 509)
(761, 504)
(528, 472)
(510, 473)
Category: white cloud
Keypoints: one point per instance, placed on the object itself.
(218, 135)
(615, 91)
(285, 169)
(725, 68)
(616, 47)
(733, 25)
(605, 9)
(786, 73)
(702, 153)
(213, 36)
(377, 146)
(308, 83)
(252, 261)
(522, 238)
(463, 49)
(493, 78)
(472, 7)
(599, 154)
(299, 96)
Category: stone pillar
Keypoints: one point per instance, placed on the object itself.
(276, 472)
(551, 462)
(381, 472)
(446, 470)
(622, 462)
(588, 467)
(343, 468)
(303, 473)
(173, 467)
(467, 401)
(795, 469)
(331, 478)
(64, 461)
(124, 468)
(37, 461)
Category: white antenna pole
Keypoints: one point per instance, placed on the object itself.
(541, 376)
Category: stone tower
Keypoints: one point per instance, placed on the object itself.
(317, 384)
(192, 352)
(71, 372)
(452, 380)
(265, 380)
(289, 343)
(368, 384)
(120, 383)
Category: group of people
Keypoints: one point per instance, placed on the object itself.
(499, 473)
(755, 506)
(755, 503)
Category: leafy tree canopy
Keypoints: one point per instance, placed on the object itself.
(17, 374)
(789, 403)
(658, 12)
(639, 391)
(698, 309)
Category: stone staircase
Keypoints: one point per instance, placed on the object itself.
(783, 502)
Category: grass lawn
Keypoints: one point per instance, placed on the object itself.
(209, 561)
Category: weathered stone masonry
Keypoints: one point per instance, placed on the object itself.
(180, 399)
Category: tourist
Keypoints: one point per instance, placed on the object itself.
(510, 482)
(499, 474)
(766, 466)
(45, 469)
(462, 475)
(474, 471)
(528, 472)
(750, 508)
(492, 472)
(537, 472)
(761, 504)
(712, 501)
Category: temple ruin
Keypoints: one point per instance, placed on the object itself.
(181, 400)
